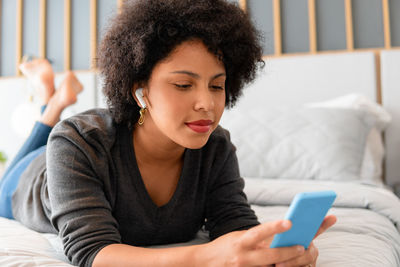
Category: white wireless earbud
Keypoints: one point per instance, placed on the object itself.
(139, 95)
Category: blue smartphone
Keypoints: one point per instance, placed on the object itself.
(306, 212)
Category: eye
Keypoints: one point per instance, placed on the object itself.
(182, 86)
(216, 87)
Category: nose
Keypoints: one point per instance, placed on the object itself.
(204, 99)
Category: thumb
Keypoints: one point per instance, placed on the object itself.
(263, 231)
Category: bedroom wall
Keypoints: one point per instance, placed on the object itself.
(330, 22)
(54, 27)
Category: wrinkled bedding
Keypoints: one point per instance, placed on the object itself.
(367, 230)
(366, 234)
(20, 246)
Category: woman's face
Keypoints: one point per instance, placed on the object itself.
(185, 95)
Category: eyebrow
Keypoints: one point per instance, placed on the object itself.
(195, 75)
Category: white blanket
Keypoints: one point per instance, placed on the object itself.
(367, 230)
(366, 233)
(20, 246)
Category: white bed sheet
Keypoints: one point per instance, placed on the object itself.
(20, 246)
(366, 234)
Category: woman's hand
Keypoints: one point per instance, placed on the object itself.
(309, 258)
(250, 247)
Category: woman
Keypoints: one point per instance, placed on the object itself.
(155, 166)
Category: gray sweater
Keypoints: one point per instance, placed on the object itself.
(90, 191)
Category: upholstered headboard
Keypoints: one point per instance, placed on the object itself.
(296, 80)
(390, 71)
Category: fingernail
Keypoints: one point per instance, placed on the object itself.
(300, 249)
(286, 223)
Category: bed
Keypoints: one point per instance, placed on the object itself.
(307, 123)
(314, 123)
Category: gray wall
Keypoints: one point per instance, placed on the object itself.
(367, 16)
(7, 38)
(80, 32)
(330, 18)
(55, 30)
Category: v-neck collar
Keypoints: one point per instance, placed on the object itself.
(133, 170)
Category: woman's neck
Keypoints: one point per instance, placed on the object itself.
(152, 147)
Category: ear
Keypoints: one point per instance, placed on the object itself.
(138, 94)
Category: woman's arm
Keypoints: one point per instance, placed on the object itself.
(77, 171)
(239, 248)
(125, 255)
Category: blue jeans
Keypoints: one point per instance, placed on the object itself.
(33, 146)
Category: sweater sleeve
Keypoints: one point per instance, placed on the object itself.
(227, 207)
(80, 209)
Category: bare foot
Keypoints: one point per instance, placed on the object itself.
(69, 89)
(64, 96)
(40, 73)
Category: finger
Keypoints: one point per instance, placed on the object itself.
(272, 255)
(328, 222)
(309, 257)
(261, 232)
(263, 244)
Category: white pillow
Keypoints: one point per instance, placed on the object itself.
(371, 170)
(303, 143)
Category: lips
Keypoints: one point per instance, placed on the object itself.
(200, 126)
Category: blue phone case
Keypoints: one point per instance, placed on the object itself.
(306, 212)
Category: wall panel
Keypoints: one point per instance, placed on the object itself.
(394, 10)
(295, 33)
(8, 37)
(368, 23)
(30, 28)
(331, 28)
(80, 34)
(106, 9)
(262, 16)
(55, 34)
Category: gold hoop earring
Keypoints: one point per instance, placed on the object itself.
(142, 111)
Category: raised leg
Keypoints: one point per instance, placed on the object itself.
(65, 96)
